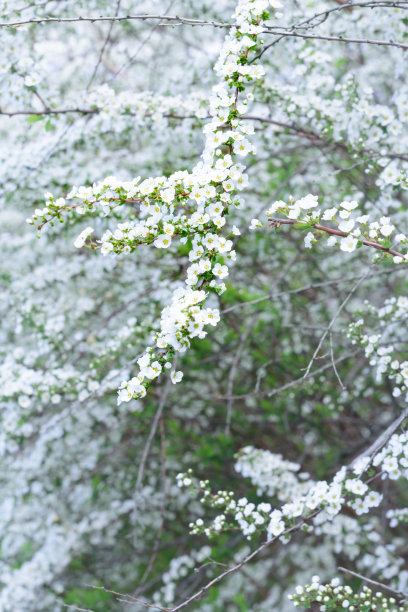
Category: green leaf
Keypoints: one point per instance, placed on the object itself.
(34, 118)
(48, 126)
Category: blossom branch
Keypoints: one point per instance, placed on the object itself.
(275, 223)
(398, 594)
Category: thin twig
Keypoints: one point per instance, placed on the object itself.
(332, 322)
(131, 599)
(350, 5)
(278, 294)
(105, 43)
(292, 383)
(359, 41)
(140, 47)
(398, 594)
(334, 363)
(152, 433)
(162, 510)
(233, 371)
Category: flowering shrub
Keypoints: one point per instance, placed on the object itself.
(201, 402)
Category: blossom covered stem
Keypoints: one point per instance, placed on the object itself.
(275, 223)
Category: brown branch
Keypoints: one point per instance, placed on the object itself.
(328, 230)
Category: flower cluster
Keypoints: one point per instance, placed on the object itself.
(393, 458)
(183, 319)
(272, 474)
(397, 515)
(382, 355)
(334, 596)
(250, 517)
(318, 502)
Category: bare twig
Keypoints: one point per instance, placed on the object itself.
(359, 41)
(140, 47)
(332, 322)
(233, 371)
(130, 599)
(152, 433)
(334, 363)
(312, 135)
(292, 383)
(105, 43)
(162, 509)
(278, 294)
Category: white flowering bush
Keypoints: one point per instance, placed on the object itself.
(203, 328)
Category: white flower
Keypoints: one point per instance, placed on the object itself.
(32, 79)
(81, 239)
(124, 395)
(309, 201)
(309, 240)
(329, 214)
(387, 229)
(220, 271)
(243, 147)
(176, 377)
(275, 207)
(346, 226)
(348, 244)
(349, 205)
(163, 241)
(254, 224)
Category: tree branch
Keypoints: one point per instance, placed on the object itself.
(174, 19)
